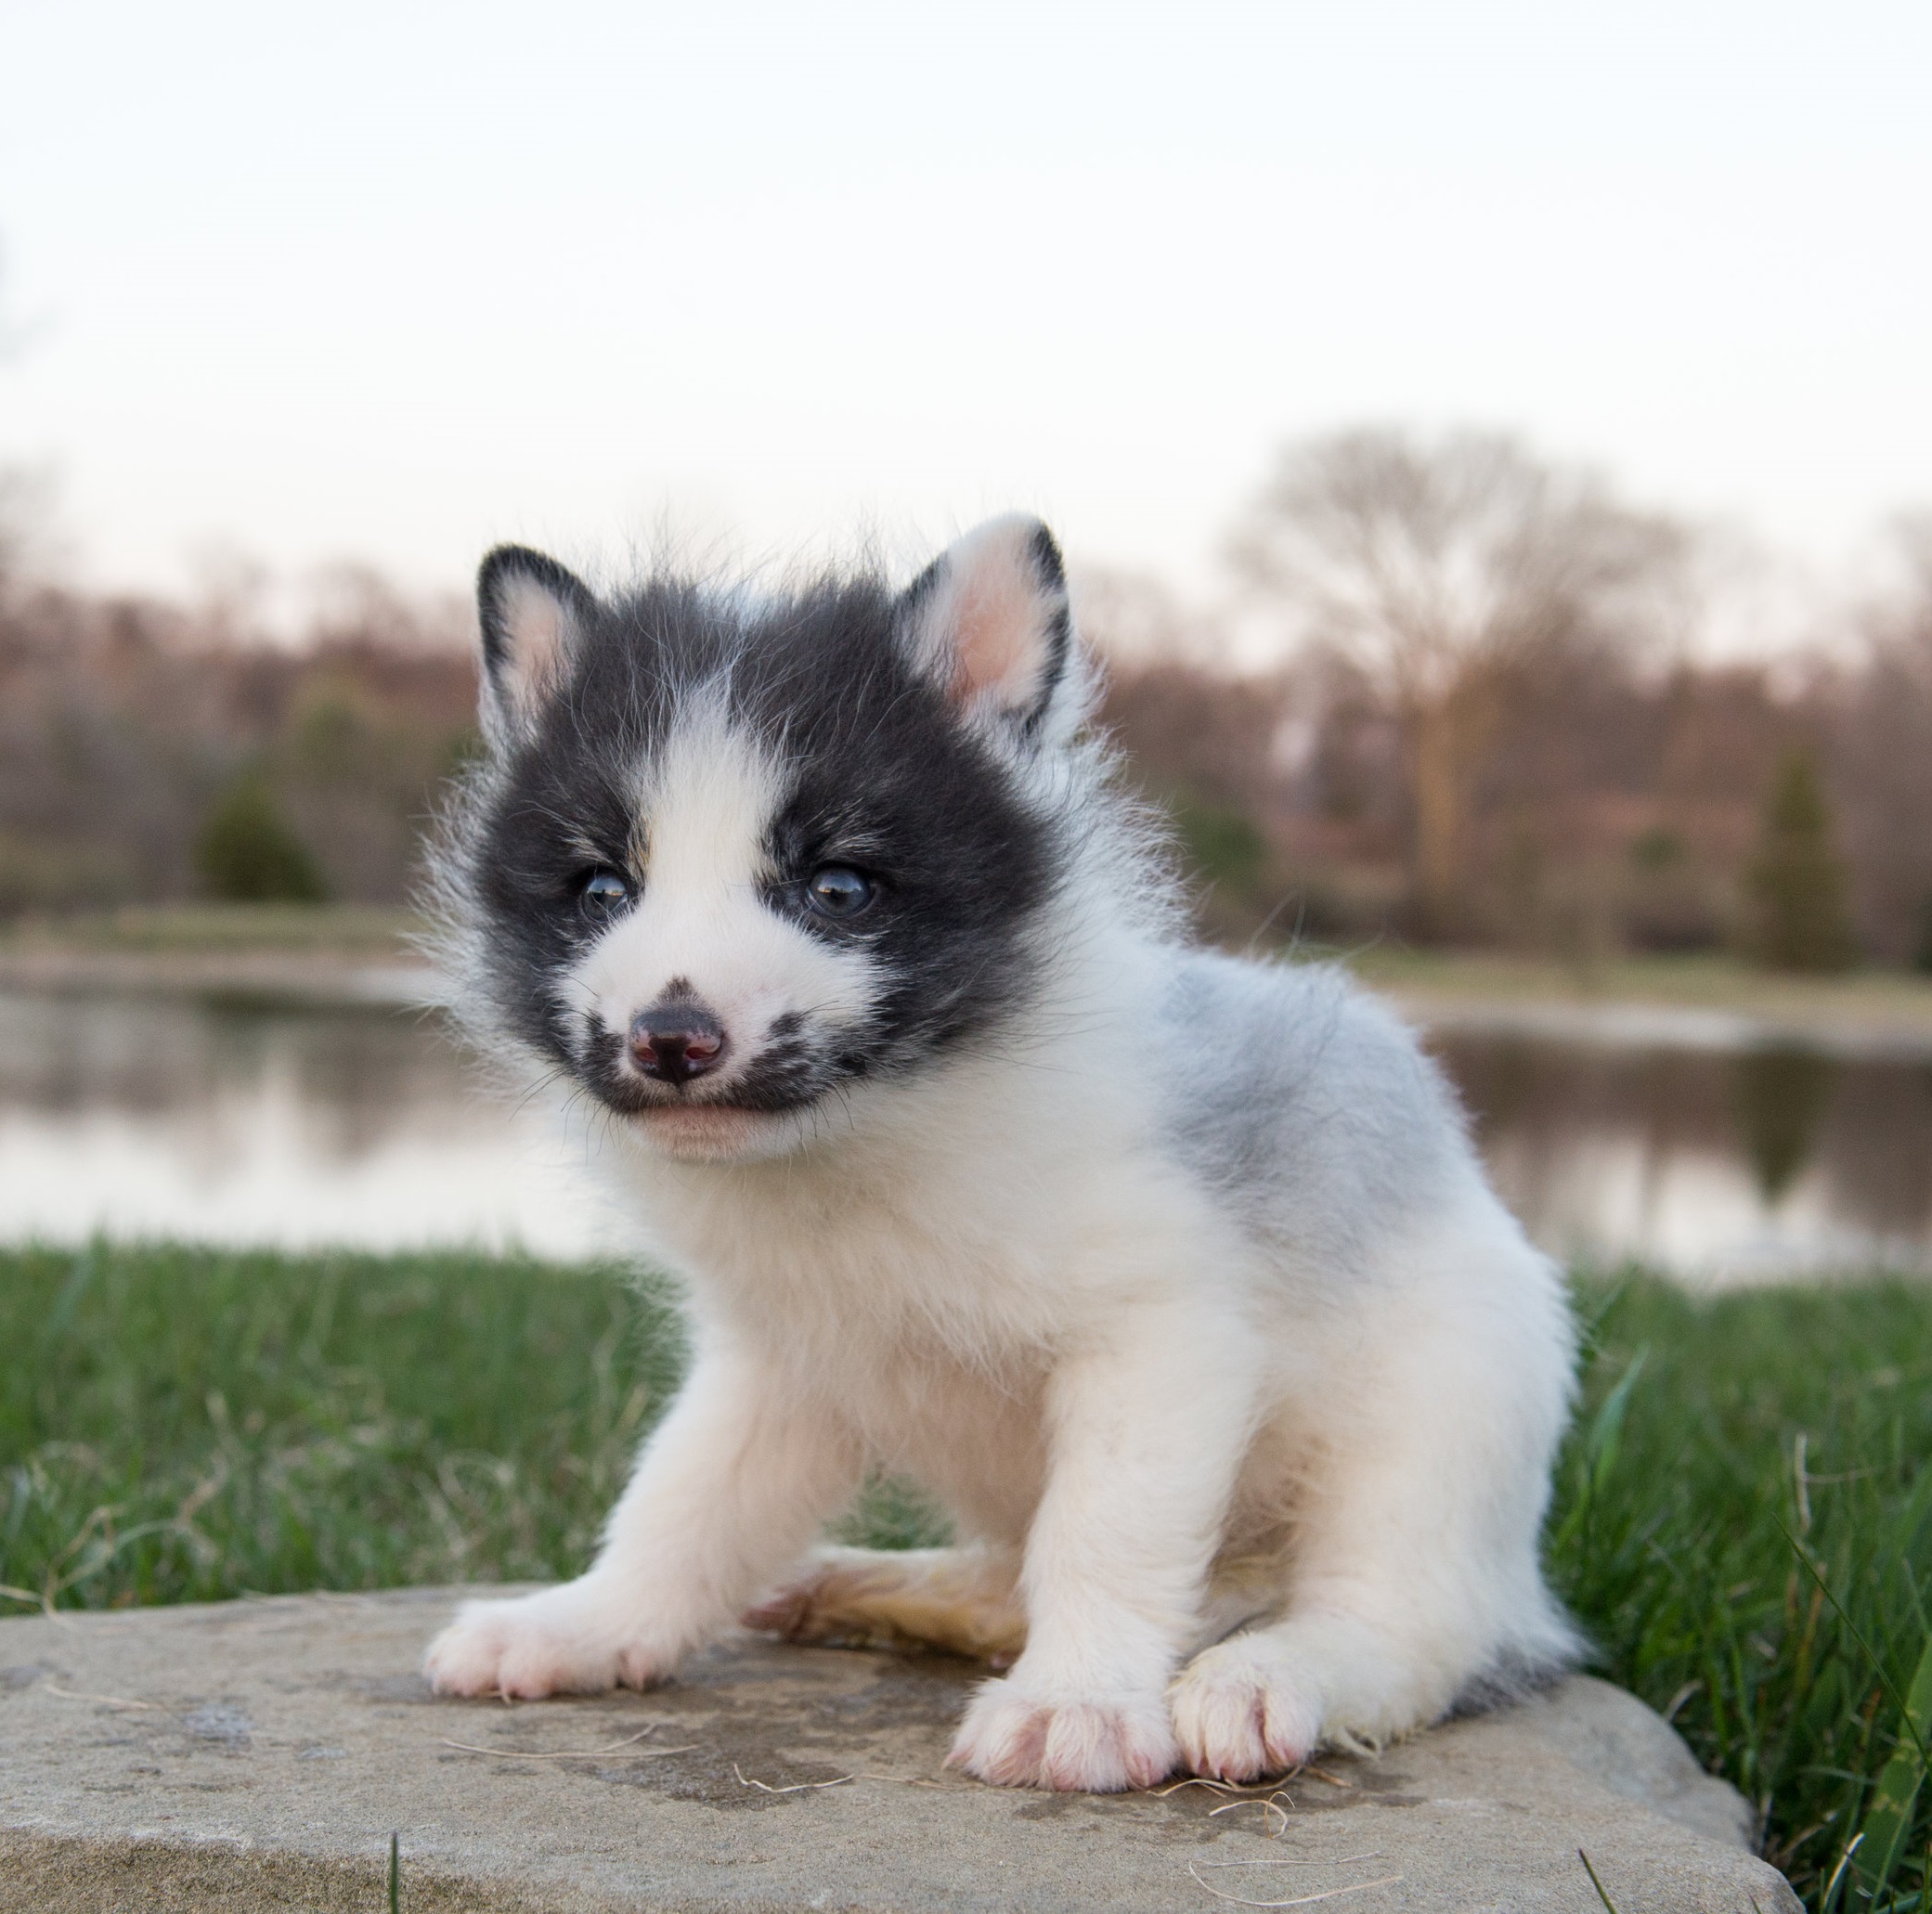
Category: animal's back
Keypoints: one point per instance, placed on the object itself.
(1308, 1105)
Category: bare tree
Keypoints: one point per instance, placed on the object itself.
(1136, 621)
(1438, 569)
(357, 604)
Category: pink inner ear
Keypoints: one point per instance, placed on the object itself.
(997, 635)
(535, 624)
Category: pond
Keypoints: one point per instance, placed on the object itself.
(253, 1122)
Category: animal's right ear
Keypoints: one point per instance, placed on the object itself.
(532, 611)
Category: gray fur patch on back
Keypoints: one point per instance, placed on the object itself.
(1306, 1104)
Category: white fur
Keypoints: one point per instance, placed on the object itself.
(1317, 1391)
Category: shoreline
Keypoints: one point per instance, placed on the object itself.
(1891, 1024)
(311, 981)
(1637, 1024)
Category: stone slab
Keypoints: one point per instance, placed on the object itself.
(256, 1755)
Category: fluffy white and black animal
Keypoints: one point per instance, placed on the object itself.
(1174, 1278)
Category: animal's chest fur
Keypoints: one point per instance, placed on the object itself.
(930, 1337)
(981, 1224)
(924, 1283)
(853, 1285)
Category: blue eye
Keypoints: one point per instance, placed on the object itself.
(837, 890)
(604, 893)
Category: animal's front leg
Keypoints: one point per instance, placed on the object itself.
(728, 1491)
(1147, 1426)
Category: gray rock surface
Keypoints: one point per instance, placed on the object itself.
(256, 1755)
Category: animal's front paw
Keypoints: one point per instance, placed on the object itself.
(576, 1639)
(1100, 1745)
(1241, 1710)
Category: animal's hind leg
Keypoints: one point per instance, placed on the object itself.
(962, 1600)
(1414, 1572)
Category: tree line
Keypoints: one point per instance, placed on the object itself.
(1492, 723)
(1486, 719)
(150, 754)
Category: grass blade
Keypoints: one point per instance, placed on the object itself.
(1889, 1819)
(1603, 1893)
(1914, 1726)
(1601, 1447)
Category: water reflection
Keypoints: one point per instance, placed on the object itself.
(1723, 1166)
(1781, 1095)
(242, 1123)
(239, 1122)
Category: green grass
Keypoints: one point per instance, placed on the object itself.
(181, 1425)
(1744, 1525)
(1744, 1519)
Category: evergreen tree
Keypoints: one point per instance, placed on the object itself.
(1796, 881)
(248, 853)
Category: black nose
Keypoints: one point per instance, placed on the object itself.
(675, 1042)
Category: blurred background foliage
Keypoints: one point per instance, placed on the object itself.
(1453, 694)
(248, 854)
(151, 753)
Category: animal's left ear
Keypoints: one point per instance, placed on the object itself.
(989, 619)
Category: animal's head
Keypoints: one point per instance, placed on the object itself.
(733, 858)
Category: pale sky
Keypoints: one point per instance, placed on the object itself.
(394, 282)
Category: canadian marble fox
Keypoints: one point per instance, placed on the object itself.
(1174, 1278)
